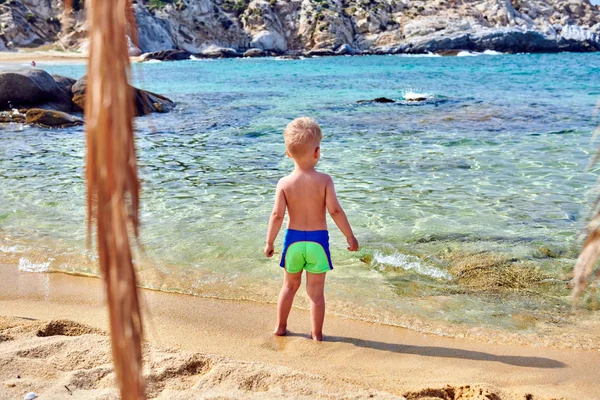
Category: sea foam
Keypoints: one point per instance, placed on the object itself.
(26, 265)
(410, 263)
(9, 249)
(415, 96)
(424, 55)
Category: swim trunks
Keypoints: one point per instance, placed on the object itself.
(307, 250)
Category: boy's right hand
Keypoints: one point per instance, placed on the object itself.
(352, 243)
(269, 250)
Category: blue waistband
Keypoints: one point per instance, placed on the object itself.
(292, 236)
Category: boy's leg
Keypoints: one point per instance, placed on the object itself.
(315, 287)
(291, 283)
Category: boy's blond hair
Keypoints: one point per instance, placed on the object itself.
(302, 135)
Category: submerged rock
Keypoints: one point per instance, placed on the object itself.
(51, 119)
(377, 100)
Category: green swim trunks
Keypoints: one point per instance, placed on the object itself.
(308, 250)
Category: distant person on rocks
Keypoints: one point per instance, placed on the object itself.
(306, 194)
(33, 64)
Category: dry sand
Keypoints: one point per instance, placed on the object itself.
(41, 57)
(52, 343)
(44, 56)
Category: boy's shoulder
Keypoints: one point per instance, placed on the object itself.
(314, 174)
(323, 177)
(292, 178)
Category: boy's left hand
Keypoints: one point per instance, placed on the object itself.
(269, 250)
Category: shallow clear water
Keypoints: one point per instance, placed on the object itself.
(491, 166)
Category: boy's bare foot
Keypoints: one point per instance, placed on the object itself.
(317, 338)
(280, 331)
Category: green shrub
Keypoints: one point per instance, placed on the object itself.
(236, 7)
(272, 3)
(30, 18)
(154, 4)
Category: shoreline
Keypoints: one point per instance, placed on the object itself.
(67, 57)
(369, 355)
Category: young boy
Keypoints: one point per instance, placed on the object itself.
(306, 194)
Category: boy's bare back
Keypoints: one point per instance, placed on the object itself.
(305, 196)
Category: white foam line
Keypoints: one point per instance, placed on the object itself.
(26, 265)
(11, 249)
(410, 263)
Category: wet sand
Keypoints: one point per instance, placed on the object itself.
(358, 357)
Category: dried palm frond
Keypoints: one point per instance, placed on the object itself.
(112, 183)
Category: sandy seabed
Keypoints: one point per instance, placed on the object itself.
(53, 342)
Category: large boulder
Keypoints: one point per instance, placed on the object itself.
(167, 55)
(213, 51)
(254, 53)
(145, 102)
(33, 87)
(270, 41)
(51, 119)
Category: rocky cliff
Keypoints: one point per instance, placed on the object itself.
(208, 27)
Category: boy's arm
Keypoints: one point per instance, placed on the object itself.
(276, 220)
(338, 215)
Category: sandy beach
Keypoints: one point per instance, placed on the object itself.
(44, 57)
(205, 348)
(37, 55)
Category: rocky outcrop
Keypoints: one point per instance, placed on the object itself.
(377, 100)
(145, 102)
(167, 55)
(51, 119)
(35, 97)
(254, 53)
(33, 88)
(228, 28)
(28, 23)
(7, 117)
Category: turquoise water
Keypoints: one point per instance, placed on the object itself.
(490, 167)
